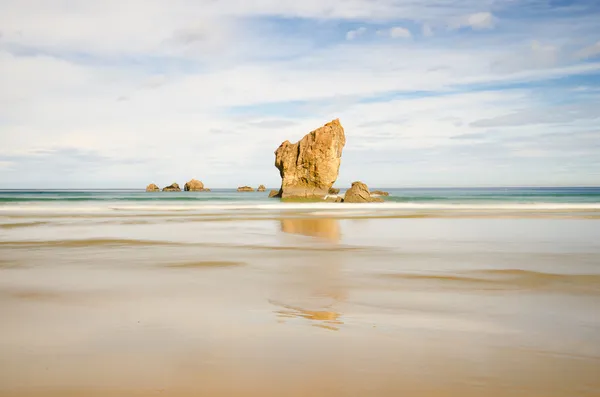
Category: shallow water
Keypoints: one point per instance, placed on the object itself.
(297, 300)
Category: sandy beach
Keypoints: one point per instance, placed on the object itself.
(297, 303)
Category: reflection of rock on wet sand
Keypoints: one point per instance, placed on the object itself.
(316, 287)
(325, 228)
(325, 318)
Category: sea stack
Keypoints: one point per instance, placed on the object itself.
(195, 186)
(309, 167)
(359, 193)
(152, 188)
(273, 193)
(174, 187)
(261, 188)
(245, 189)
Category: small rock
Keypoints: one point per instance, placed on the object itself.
(174, 187)
(334, 199)
(333, 190)
(245, 189)
(379, 193)
(194, 186)
(152, 188)
(274, 193)
(359, 193)
(261, 188)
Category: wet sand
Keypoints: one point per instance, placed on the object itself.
(299, 305)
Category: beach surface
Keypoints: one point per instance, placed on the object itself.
(259, 298)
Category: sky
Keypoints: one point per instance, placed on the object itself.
(123, 93)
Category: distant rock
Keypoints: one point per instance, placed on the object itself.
(174, 187)
(333, 190)
(359, 193)
(379, 193)
(309, 167)
(152, 188)
(261, 188)
(195, 186)
(273, 193)
(245, 189)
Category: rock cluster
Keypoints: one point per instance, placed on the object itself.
(152, 188)
(359, 193)
(174, 187)
(192, 186)
(309, 167)
(308, 170)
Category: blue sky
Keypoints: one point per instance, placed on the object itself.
(118, 94)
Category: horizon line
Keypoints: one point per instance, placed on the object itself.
(374, 187)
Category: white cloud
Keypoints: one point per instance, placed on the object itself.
(476, 21)
(400, 32)
(589, 52)
(353, 34)
(397, 32)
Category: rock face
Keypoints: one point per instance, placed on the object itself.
(174, 187)
(261, 188)
(273, 193)
(245, 189)
(152, 188)
(194, 186)
(359, 193)
(333, 190)
(309, 167)
(379, 193)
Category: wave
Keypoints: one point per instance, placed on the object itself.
(21, 224)
(75, 243)
(107, 242)
(502, 279)
(117, 199)
(204, 264)
(333, 208)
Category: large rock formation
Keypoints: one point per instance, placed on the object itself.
(174, 187)
(152, 188)
(261, 188)
(245, 189)
(195, 186)
(359, 193)
(309, 167)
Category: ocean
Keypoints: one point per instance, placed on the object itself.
(435, 292)
(542, 198)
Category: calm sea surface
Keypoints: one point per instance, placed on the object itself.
(436, 292)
